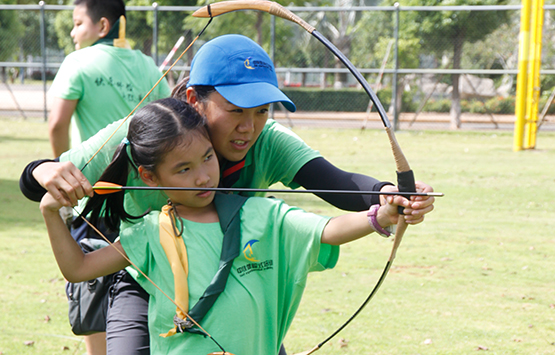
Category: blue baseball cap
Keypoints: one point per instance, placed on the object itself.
(240, 70)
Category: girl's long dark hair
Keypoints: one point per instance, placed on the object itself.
(154, 130)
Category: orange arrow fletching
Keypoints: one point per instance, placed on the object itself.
(104, 188)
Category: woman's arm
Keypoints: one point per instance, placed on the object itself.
(321, 174)
(63, 178)
(28, 185)
(63, 181)
(75, 265)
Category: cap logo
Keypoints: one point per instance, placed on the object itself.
(248, 63)
(253, 64)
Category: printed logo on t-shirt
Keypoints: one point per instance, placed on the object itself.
(124, 88)
(248, 252)
(255, 264)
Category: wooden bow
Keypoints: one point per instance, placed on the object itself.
(405, 176)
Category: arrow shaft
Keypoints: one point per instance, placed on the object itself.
(232, 189)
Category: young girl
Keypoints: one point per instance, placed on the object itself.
(168, 145)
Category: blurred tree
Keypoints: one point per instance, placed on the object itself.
(257, 26)
(11, 30)
(444, 31)
(372, 44)
(63, 24)
(341, 28)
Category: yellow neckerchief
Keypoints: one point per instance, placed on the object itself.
(176, 252)
(228, 208)
(116, 35)
(121, 41)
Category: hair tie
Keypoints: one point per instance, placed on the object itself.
(128, 151)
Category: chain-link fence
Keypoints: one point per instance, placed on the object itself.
(417, 54)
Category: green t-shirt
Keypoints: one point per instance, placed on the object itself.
(276, 156)
(108, 82)
(281, 244)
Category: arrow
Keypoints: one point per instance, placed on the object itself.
(104, 188)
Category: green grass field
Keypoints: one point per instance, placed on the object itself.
(476, 276)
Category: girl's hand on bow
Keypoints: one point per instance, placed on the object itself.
(417, 206)
(63, 181)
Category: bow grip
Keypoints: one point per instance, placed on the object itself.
(405, 182)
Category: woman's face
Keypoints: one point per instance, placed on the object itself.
(233, 129)
(192, 164)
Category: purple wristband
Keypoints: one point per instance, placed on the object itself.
(372, 219)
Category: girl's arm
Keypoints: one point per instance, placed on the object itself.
(352, 226)
(75, 265)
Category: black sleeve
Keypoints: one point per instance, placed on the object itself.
(27, 183)
(322, 175)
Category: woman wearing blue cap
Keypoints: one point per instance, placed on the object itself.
(232, 82)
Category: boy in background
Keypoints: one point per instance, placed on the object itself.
(101, 82)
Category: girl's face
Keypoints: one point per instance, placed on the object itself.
(193, 164)
(233, 129)
(85, 32)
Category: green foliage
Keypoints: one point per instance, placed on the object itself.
(442, 105)
(255, 25)
(372, 39)
(495, 51)
(63, 25)
(438, 29)
(501, 105)
(369, 46)
(31, 23)
(473, 106)
(11, 30)
(496, 105)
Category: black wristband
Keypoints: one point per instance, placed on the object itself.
(29, 185)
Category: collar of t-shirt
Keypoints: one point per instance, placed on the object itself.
(115, 37)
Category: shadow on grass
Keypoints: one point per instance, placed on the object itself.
(15, 209)
(31, 140)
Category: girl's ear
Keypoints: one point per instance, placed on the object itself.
(103, 27)
(148, 177)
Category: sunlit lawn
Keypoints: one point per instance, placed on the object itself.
(476, 276)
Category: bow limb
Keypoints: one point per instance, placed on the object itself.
(405, 177)
(405, 182)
